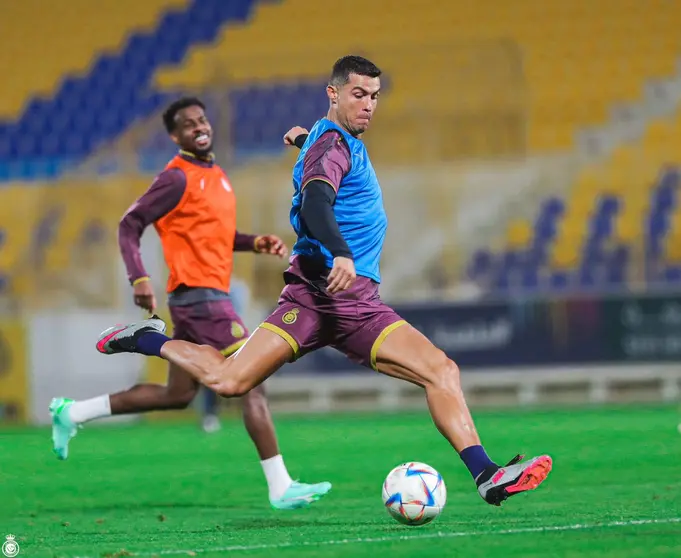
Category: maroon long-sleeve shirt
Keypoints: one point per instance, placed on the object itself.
(162, 197)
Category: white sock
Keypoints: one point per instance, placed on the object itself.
(278, 479)
(83, 411)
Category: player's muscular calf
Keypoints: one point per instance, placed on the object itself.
(258, 422)
(407, 354)
(178, 393)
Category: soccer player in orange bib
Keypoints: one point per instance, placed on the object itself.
(192, 206)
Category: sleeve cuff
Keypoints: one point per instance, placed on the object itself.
(300, 140)
(140, 280)
(321, 179)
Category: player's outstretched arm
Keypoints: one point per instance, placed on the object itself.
(270, 244)
(260, 244)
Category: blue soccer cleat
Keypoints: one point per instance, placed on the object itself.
(63, 428)
(300, 495)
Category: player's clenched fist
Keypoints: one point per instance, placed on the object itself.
(293, 133)
(143, 295)
(342, 275)
(271, 244)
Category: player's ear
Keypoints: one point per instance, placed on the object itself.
(332, 94)
(175, 139)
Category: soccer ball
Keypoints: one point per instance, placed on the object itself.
(414, 493)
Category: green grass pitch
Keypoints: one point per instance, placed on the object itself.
(169, 489)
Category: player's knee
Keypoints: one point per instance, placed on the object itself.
(232, 388)
(443, 372)
(181, 399)
(256, 397)
(255, 401)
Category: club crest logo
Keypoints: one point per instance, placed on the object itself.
(290, 317)
(237, 330)
(10, 547)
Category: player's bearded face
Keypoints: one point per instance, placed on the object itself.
(355, 102)
(193, 132)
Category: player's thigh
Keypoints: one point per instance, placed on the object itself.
(296, 320)
(292, 330)
(407, 354)
(260, 356)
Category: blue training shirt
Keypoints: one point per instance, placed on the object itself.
(358, 207)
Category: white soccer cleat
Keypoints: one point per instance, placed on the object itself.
(514, 478)
(123, 338)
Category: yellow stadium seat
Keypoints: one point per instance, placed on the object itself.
(630, 172)
(18, 205)
(577, 58)
(66, 253)
(519, 234)
(565, 257)
(45, 41)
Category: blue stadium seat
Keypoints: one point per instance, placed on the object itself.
(559, 281)
(481, 266)
(588, 277)
(530, 279)
(617, 266)
(672, 275)
(124, 77)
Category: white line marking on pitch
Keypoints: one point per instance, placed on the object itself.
(438, 535)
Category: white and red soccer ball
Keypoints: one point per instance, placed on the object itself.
(414, 493)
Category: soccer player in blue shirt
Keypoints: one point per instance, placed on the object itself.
(331, 295)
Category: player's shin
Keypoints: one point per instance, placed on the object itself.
(450, 414)
(259, 424)
(448, 407)
(410, 356)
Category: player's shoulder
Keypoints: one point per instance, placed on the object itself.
(171, 175)
(331, 136)
(218, 169)
(331, 140)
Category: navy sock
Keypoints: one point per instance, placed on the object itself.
(151, 342)
(476, 459)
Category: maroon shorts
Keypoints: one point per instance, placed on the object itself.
(355, 321)
(213, 323)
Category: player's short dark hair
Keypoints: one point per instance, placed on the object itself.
(171, 112)
(347, 65)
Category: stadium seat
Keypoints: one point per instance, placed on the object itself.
(577, 60)
(499, 80)
(51, 234)
(474, 80)
(101, 66)
(620, 215)
(55, 40)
